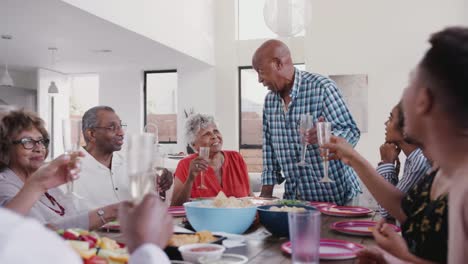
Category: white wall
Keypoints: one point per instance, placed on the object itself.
(123, 91)
(184, 25)
(196, 90)
(227, 95)
(384, 39)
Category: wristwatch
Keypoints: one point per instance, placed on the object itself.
(100, 213)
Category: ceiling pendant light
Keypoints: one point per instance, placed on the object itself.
(6, 79)
(53, 89)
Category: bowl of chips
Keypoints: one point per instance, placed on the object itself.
(230, 215)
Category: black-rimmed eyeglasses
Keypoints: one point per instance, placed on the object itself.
(29, 143)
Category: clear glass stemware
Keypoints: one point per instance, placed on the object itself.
(71, 136)
(305, 124)
(323, 137)
(204, 153)
(139, 158)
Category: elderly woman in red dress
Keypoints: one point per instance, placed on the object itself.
(225, 170)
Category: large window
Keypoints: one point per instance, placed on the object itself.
(252, 96)
(160, 94)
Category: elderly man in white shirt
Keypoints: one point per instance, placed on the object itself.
(103, 178)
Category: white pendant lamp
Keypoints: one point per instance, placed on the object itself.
(53, 89)
(284, 17)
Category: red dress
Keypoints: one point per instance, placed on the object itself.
(235, 178)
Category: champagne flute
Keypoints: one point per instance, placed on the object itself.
(203, 152)
(139, 161)
(304, 125)
(158, 167)
(323, 136)
(71, 135)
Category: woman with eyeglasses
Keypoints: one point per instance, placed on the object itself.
(24, 143)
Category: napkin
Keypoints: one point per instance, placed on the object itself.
(232, 240)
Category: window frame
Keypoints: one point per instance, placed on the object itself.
(145, 97)
(239, 83)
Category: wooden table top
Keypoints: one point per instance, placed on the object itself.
(268, 249)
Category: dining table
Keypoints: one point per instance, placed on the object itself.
(261, 247)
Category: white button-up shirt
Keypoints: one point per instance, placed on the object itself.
(100, 186)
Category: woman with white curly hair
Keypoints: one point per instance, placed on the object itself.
(225, 170)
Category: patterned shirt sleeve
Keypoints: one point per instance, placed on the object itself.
(336, 112)
(387, 170)
(271, 173)
(415, 167)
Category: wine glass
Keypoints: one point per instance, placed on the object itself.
(139, 161)
(71, 136)
(203, 152)
(304, 125)
(323, 137)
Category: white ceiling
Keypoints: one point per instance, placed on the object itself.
(36, 25)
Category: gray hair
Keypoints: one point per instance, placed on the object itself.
(90, 119)
(194, 124)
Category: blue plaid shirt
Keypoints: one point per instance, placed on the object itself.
(318, 96)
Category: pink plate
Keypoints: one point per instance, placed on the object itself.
(345, 210)
(358, 227)
(331, 249)
(319, 205)
(177, 211)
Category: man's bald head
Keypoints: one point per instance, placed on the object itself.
(273, 63)
(272, 49)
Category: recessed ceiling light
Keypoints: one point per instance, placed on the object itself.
(102, 50)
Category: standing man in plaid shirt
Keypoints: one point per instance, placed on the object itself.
(292, 93)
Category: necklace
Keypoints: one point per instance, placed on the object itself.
(54, 202)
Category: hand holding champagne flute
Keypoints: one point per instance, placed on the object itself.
(71, 135)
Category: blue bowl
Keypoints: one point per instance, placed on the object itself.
(229, 220)
(277, 222)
